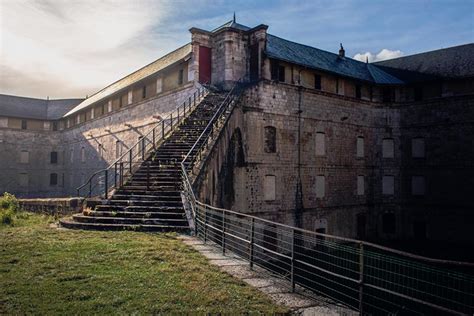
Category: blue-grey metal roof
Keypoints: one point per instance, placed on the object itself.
(41, 109)
(232, 24)
(311, 57)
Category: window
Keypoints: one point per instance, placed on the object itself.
(24, 124)
(24, 156)
(274, 69)
(320, 186)
(109, 106)
(317, 82)
(54, 157)
(388, 183)
(358, 89)
(360, 147)
(320, 144)
(53, 179)
(418, 185)
(78, 119)
(281, 73)
(130, 97)
(387, 148)
(159, 85)
(83, 154)
(361, 220)
(269, 188)
(55, 126)
(387, 95)
(340, 86)
(418, 93)
(418, 147)
(143, 93)
(388, 223)
(23, 180)
(180, 76)
(121, 103)
(118, 149)
(360, 185)
(270, 139)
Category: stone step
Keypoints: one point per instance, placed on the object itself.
(126, 214)
(69, 223)
(144, 197)
(130, 220)
(135, 202)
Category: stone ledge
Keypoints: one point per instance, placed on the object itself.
(52, 206)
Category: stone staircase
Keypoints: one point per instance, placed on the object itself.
(150, 200)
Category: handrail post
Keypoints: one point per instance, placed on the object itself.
(184, 108)
(293, 260)
(148, 175)
(106, 183)
(90, 187)
(130, 160)
(153, 131)
(189, 102)
(115, 175)
(252, 236)
(178, 114)
(361, 278)
(163, 129)
(171, 118)
(121, 174)
(194, 98)
(143, 148)
(223, 232)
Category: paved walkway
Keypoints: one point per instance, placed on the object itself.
(279, 290)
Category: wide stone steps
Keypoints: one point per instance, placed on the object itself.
(150, 200)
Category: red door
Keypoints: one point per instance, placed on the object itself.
(204, 64)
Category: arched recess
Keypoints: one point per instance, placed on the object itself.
(234, 159)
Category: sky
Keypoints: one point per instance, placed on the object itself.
(73, 48)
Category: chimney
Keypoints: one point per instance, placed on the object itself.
(342, 52)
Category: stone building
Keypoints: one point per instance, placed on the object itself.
(319, 140)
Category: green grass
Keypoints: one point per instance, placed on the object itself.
(45, 270)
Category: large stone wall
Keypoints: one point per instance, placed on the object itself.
(446, 126)
(71, 169)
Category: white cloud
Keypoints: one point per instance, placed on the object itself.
(84, 45)
(382, 55)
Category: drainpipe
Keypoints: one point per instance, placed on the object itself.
(299, 190)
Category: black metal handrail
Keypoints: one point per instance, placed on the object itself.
(101, 181)
(363, 276)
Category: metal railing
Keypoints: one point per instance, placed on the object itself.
(365, 277)
(115, 175)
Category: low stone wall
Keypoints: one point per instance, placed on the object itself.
(54, 206)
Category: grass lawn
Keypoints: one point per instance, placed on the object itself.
(46, 270)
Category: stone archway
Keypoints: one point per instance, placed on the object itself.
(234, 159)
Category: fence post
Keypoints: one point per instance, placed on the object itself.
(361, 278)
(154, 138)
(171, 118)
(223, 232)
(252, 236)
(194, 97)
(205, 224)
(189, 103)
(163, 129)
(184, 107)
(130, 159)
(293, 260)
(106, 183)
(143, 148)
(178, 114)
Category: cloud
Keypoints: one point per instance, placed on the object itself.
(384, 54)
(79, 45)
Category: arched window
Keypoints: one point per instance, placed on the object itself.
(270, 139)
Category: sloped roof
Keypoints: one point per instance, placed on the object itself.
(231, 24)
(24, 107)
(142, 73)
(452, 62)
(315, 58)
